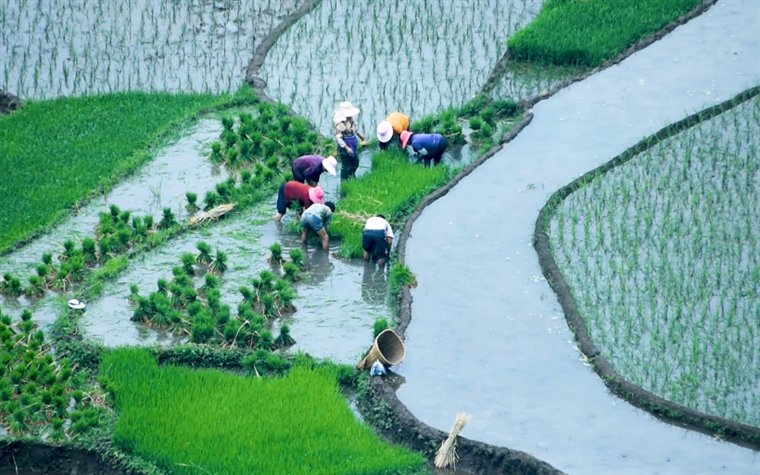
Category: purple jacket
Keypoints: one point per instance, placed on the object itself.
(307, 167)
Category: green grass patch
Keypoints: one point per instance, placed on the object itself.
(57, 153)
(393, 189)
(209, 421)
(588, 32)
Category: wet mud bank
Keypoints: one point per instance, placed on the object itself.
(18, 458)
(668, 411)
(394, 421)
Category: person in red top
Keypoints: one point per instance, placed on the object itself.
(292, 191)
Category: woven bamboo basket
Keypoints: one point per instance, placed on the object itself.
(387, 348)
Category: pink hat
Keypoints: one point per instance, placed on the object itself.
(384, 131)
(317, 195)
(329, 164)
(405, 136)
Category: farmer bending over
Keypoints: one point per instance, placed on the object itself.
(389, 131)
(428, 146)
(293, 191)
(309, 168)
(316, 218)
(377, 239)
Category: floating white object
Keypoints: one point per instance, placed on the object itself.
(76, 304)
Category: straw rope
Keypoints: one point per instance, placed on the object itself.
(446, 456)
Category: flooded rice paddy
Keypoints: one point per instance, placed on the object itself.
(385, 56)
(487, 335)
(56, 48)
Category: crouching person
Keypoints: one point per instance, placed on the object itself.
(293, 191)
(377, 239)
(317, 218)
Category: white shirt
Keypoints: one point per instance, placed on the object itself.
(376, 223)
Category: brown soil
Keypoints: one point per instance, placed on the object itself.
(19, 457)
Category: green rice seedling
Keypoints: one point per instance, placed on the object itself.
(192, 201)
(89, 250)
(219, 264)
(400, 275)
(36, 287)
(188, 262)
(380, 325)
(11, 286)
(284, 339)
(204, 253)
(212, 199)
(276, 254)
(291, 271)
(168, 220)
(297, 258)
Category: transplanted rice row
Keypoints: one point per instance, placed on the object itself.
(662, 256)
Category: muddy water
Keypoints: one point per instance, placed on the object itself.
(487, 335)
(386, 55)
(338, 300)
(72, 47)
(161, 183)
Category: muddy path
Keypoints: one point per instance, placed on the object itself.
(487, 335)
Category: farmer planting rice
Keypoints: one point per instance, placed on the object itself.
(293, 191)
(428, 146)
(377, 239)
(316, 218)
(347, 137)
(391, 128)
(308, 168)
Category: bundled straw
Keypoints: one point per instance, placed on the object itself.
(215, 213)
(447, 453)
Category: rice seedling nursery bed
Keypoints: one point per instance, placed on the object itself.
(659, 252)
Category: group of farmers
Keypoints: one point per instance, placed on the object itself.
(377, 237)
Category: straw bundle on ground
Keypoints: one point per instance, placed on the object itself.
(214, 213)
(447, 452)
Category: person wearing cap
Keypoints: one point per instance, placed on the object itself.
(316, 218)
(391, 128)
(292, 191)
(347, 137)
(428, 146)
(308, 168)
(377, 239)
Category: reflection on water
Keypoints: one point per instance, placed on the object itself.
(374, 284)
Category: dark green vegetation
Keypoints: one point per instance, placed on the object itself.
(589, 32)
(208, 421)
(39, 394)
(56, 153)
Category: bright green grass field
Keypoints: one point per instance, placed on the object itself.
(588, 32)
(56, 153)
(209, 421)
(393, 189)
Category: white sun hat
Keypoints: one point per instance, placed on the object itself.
(76, 304)
(348, 109)
(384, 131)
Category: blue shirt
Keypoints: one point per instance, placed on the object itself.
(428, 144)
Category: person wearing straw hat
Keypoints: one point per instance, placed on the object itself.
(293, 191)
(316, 218)
(428, 146)
(308, 168)
(347, 138)
(377, 239)
(391, 128)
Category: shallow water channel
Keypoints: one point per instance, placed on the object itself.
(487, 334)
